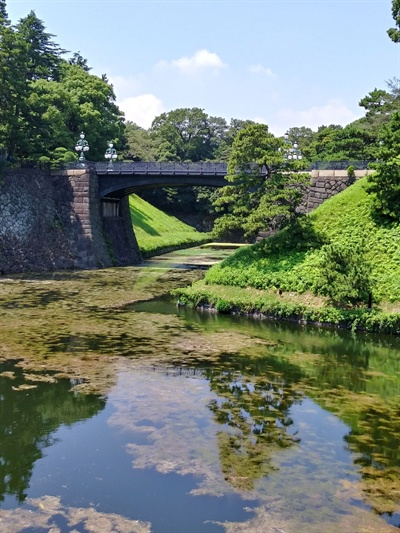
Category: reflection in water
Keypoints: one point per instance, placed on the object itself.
(254, 410)
(31, 410)
(301, 425)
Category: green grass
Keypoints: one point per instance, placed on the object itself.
(157, 232)
(227, 299)
(290, 260)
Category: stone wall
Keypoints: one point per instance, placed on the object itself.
(327, 183)
(52, 221)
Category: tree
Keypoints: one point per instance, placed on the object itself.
(78, 102)
(266, 190)
(77, 59)
(384, 184)
(13, 86)
(141, 146)
(377, 102)
(42, 56)
(224, 148)
(394, 33)
(3, 10)
(187, 134)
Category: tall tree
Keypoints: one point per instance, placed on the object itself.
(13, 87)
(384, 184)
(141, 146)
(188, 134)
(80, 101)
(266, 189)
(42, 55)
(3, 10)
(77, 59)
(377, 102)
(394, 33)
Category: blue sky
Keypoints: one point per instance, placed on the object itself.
(281, 62)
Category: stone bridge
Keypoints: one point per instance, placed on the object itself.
(80, 218)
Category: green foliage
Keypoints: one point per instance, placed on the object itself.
(351, 173)
(394, 33)
(334, 143)
(156, 231)
(266, 190)
(344, 274)
(292, 260)
(187, 134)
(45, 102)
(223, 306)
(384, 184)
(141, 146)
(271, 306)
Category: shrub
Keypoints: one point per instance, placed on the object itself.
(344, 274)
(223, 306)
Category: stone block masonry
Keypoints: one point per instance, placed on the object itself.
(52, 221)
(327, 183)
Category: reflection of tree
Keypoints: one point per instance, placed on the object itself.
(375, 438)
(28, 417)
(254, 409)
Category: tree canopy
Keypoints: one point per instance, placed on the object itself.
(266, 189)
(188, 134)
(384, 184)
(394, 33)
(46, 101)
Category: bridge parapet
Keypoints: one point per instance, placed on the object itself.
(151, 168)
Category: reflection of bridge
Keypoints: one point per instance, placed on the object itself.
(120, 179)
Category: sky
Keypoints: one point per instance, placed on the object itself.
(285, 63)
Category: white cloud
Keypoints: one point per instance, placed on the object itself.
(202, 59)
(334, 111)
(141, 109)
(124, 86)
(260, 69)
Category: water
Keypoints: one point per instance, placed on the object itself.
(121, 412)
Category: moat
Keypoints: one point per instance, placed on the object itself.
(121, 412)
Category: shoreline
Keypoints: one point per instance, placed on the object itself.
(264, 305)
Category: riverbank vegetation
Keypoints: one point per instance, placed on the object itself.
(157, 232)
(284, 277)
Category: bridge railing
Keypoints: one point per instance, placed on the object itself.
(340, 165)
(154, 168)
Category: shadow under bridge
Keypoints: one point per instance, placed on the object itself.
(121, 179)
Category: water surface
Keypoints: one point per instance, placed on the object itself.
(121, 412)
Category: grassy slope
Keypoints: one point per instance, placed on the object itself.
(286, 263)
(248, 280)
(156, 231)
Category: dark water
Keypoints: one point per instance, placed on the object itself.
(121, 412)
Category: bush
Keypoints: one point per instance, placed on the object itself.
(344, 274)
(223, 306)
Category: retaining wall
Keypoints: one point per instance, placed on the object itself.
(327, 183)
(52, 221)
